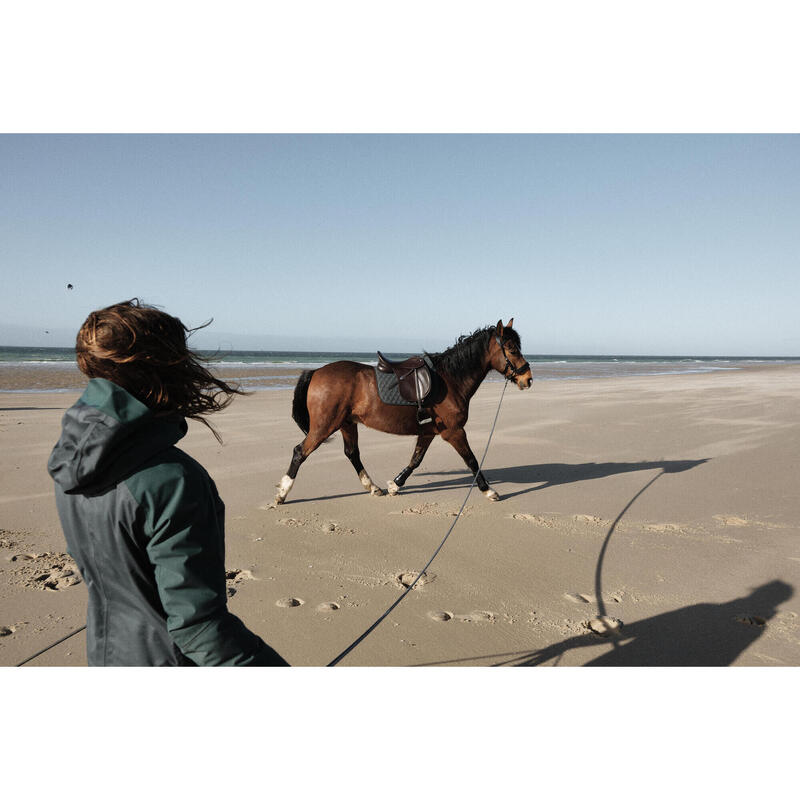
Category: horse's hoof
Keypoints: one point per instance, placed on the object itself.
(377, 491)
(491, 494)
(392, 488)
(277, 502)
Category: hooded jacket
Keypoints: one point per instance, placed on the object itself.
(145, 525)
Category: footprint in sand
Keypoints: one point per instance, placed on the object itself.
(234, 576)
(289, 602)
(440, 616)
(6, 631)
(424, 508)
(585, 597)
(580, 598)
(332, 526)
(604, 626)
(476, 616)
(725, 519)
(24, 557)
(536, 519)
(327, 608)
(46, 571)
(757, 621)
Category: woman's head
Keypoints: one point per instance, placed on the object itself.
(144, 350)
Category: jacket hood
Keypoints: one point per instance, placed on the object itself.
(106, 436)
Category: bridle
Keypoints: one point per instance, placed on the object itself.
(514, 371)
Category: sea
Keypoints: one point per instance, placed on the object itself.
(40, 369)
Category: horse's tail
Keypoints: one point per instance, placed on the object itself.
(299, 406)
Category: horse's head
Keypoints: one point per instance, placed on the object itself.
(506, 356)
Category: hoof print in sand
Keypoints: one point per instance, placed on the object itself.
(289, 602)
(604, 626)
(406, 579)
(291, 522)
(440, 616)
(327, 608)
(6, 631)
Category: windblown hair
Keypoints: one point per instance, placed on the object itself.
(467, 353)
(144, 350)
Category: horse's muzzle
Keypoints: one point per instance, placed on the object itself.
(525, 381)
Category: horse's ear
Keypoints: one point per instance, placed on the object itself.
(500, 327)
(510, 322)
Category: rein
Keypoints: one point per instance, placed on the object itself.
(394, 605)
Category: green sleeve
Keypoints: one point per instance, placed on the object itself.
(185, 528)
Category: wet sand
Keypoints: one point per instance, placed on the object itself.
(643, 521)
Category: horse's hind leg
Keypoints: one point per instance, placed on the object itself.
(423, 443)
(350, 436)
(303, 450)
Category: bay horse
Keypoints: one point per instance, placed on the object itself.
(343, 394)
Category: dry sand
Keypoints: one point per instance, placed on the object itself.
(649, 520)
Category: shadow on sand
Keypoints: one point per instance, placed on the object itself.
(702, 635)
(542, 476)
(32, 408)
(536, 476)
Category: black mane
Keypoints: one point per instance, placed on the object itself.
(466, 355)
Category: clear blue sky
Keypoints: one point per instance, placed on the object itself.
(594, 244)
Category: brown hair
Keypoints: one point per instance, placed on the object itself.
(144, 350)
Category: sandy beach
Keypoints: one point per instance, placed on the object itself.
(667, 505)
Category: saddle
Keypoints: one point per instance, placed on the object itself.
(414, 380)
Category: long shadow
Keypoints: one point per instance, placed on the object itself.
(32, 408)
(701, 635)
(543, 476)
(300, 500)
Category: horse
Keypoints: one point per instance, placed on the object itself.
(343, 394)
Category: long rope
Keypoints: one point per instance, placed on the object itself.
(396, 602)
(394, 605)
(50, 646)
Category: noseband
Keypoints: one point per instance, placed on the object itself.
(514, 371)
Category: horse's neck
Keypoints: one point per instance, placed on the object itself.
(469, 383)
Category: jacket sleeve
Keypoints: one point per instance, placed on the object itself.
(185, 521)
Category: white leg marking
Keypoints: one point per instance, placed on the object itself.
(283, 488)
(367, 483)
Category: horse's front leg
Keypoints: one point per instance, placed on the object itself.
(458, 438)
(423, 443)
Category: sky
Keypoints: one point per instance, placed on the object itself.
(594, 244)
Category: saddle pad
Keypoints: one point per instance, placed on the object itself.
(388, 390)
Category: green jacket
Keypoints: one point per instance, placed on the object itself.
(145, 524)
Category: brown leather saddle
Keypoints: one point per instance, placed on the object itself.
(414, 380)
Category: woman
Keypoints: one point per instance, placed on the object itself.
(141, 518)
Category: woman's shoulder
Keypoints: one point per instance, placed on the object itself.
(169, 475)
